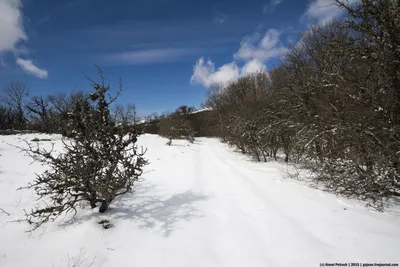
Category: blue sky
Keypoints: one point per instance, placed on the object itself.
(167, 52)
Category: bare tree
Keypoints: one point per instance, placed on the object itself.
(125, 114)
(40, 113)
(14, 95)
(101, 162)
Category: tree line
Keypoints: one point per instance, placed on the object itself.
(332, 103)
(48, 114)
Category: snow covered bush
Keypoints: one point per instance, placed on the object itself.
(100, 161)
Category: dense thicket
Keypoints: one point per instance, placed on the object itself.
(177, 125)
(20, 112)
(333, 102)
(48, 114)
(198, 123)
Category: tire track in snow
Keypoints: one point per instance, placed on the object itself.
(255, 203)
(225, 215)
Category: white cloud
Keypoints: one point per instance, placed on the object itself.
(11, 28)
(263, 49)
(28, 66)
(148, 56)
(254, 52)
(322, 11)
(204, 73)
(271, 5)
(253, 66)
(12, 33)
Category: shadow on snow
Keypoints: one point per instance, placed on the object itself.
(150, 210)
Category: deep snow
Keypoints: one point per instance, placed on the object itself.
(199, 205)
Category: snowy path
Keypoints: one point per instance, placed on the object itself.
(200, 205)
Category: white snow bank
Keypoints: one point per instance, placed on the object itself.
(200, 205)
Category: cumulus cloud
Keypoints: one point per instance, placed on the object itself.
(205, 73)
(12, 33)
(11, 29)
(252, 55)
(253, 66)
(322, 11)
(271, 5)
(261, 47)
(28, 66)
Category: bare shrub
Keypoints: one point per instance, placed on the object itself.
(100, 162)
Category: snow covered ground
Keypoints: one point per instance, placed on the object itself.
(200, 205)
